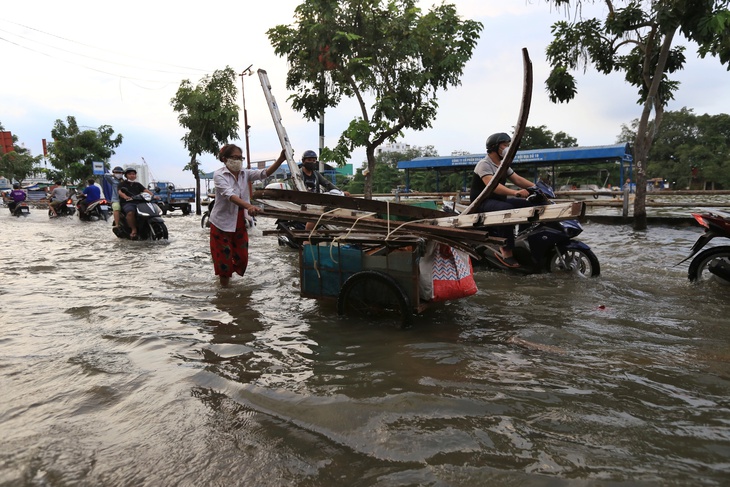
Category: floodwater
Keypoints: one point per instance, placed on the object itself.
(125, 364)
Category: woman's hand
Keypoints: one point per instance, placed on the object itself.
(253, 210)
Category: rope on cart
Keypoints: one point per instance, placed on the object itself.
(403, 225)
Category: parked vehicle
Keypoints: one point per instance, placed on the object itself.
(98, 210)
(172, 198)
(150, 225)
(546, 246)
(205, 220)
(712, 264)
(68, 208)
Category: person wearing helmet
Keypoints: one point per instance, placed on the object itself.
(16, 196)
(313, 179)
(127, 190)
(502, 198)
(113, 180)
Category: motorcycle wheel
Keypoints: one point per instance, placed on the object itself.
(375, 296)
(580, 261)
(204, 221)
(158, 231)
(698, 268)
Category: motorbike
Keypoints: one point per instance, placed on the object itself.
(712, 264)
(67, 208)
(150, 225)
(545, 246)
(205, 220)
(98, 210)
(21, 209)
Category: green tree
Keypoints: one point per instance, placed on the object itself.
(209, 113)
(73, 150)
(17, 164)
(542, 138)
(386, 54)
(690, 149)
(638, 40)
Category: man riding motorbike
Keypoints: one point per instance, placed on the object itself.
(127, 189)
(91, 194)
(16, 196)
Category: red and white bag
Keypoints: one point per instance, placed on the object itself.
(445, 273)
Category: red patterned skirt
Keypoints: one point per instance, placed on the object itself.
(230, 249)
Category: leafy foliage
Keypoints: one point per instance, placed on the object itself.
(17, 164)
(209, 113)
(73, 150)
(387, 54)
(690, 149)
(637, 39)
(542, 138)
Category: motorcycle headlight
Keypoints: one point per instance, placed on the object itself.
(571, 228)
(147, 197)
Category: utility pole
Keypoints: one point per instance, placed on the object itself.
(246, 72)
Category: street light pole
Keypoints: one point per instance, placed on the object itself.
(246, 72)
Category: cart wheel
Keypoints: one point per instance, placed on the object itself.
(376, 297)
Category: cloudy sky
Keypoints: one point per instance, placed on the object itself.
(121, 65)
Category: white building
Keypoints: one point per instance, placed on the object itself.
(143, 172)
(397, 147)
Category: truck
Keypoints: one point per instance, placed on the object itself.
(172, 198)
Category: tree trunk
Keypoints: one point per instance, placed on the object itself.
(370, 154)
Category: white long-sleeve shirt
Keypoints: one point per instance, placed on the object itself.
(225, 212)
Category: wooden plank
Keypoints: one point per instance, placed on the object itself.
(383, 208)
(516, 137)
(543, 213)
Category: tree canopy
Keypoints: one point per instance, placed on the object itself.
(209, 113)
(73, 150)
(387, 54)
(690, 150)
(637, 38)
(543, 138)
(17, 164)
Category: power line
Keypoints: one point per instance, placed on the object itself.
(98, 48)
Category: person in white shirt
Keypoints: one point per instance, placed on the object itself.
(228, 234)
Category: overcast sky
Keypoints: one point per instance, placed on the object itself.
(121, 65)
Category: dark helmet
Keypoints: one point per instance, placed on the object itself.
(494, 140)
(130, 169)
(118, 169)
(16, 186)
(309, 153)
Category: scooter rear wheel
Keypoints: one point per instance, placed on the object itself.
(580, 261)
(699, 267)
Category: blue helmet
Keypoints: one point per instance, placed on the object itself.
(118, 169)
(309, 153)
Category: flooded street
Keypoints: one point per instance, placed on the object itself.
(124, 363)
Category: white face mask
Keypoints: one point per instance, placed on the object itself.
(503, 152)
(118, 175)
(234, 165)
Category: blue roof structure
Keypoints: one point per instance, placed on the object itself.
(537, 157)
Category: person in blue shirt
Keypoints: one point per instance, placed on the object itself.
(92, 193)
